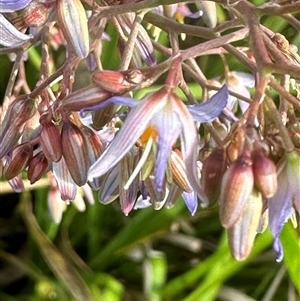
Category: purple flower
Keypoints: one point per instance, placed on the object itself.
(166, 118)
(9, 6)
(287, 198)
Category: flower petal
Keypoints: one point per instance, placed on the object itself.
(212, 108)
(168, 127)
(66, 184)
(9, 6)
(10, 36)
(190, 199)
(134, 126)
(119, 100)
(189, 147)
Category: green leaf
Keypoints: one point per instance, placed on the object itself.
(291, 246)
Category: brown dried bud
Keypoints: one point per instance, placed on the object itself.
(37, 167)
(212, 173)
(241, 236)
(50, 140)
(75, 152)
(20, 157)
(265, 175)
(237, 184)
(35, 14)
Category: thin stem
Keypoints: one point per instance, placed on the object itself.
(275, 116)
(11, 82)
(287, 96)
(128, 51)
(214, 43)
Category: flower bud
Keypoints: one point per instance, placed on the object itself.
(17, 184)
(35, 14)
(242, 234)
(117, 81)
(72, 20)
(212, 172)
(50, 140)
(209, 12)
(85, 98)
(32, 128)
(264, 221)
(56, 205)
(179, 171)
(37, 167)
(265, 175)
(103, 116)
(75, 152)
(237, 184)
(12, 126)
(65, 183)
(20, 157)
(95, 149)
(128, 196)
(109, 189)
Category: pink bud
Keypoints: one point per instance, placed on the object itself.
(75, 152)
(117, 81)
(265, 175)
(37, 167)
(212, 173)
(85, 98)
(242, 234)
(237, 184)
(20, 157)
(50, 140)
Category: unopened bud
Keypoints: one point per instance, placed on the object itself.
(12, 126)
(50, 140)
(85, 98)
(237, 184)
(35, 14)
(95, 149)
(103, 116)
(117, 81)
(179, 171)
(212, 173)
(72, 20)
(242, 234)
(20, 157)
(265, 175)
(75, 152)
(37, 167)
(56, 205)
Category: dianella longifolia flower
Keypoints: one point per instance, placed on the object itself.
(154, 125)
(147, 127)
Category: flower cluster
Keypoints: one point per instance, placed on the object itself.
(227, 148)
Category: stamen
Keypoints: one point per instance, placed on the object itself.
(140, 164)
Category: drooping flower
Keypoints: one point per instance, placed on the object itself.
(167, 118)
